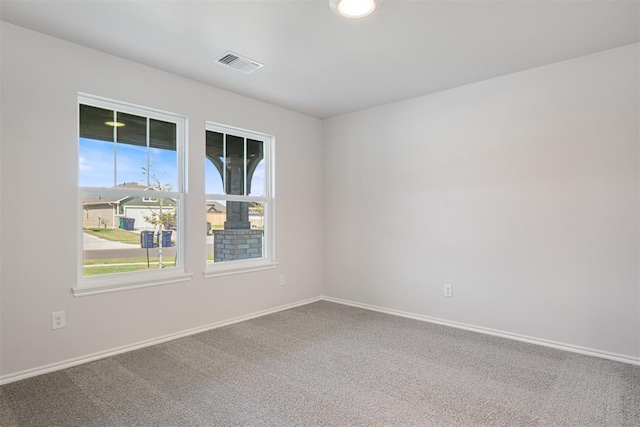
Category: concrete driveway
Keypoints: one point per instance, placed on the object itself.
(93, 242)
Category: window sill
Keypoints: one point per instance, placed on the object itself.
(238, 267)
(111, 286)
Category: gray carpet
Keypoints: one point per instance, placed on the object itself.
(325, 364)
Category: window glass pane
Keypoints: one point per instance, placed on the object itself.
(225, 243)
(216, 217)
(163, 169)
(234, 165)
(96, 163)
(214, 163)
(255, 168)
(96, 148)
(93, 123)
(256, 215)
(131, 163)
(131, 129)
(125, 234)
(131, 154)
(162, 134)
(163, 157)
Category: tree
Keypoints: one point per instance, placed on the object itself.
(160, 219)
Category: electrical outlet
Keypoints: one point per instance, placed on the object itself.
(448, 290)
(58, 320)
(282, 280)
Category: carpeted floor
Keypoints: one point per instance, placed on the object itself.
(325, 364)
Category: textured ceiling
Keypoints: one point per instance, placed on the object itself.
(323, 65)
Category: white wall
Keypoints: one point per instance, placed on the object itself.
(41, 78)
(522, 191)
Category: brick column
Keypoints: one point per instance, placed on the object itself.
(231, 245)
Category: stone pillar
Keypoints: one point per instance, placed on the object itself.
(237, 212)
(236, 161)
(230, 245)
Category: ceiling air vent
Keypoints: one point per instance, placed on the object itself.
(239, 63)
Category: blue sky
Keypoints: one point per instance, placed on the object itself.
(97, 164)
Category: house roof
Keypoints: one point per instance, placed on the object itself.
(132, 185)
(95, 199)
(99, 199)
(147, 202)
(215, 207)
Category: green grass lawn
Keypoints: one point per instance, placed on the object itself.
(115, 235)
(111, 269)
(118, 235)
(96, 267)
(165, 259)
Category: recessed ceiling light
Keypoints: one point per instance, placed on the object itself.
(354, 8)
(115, 124)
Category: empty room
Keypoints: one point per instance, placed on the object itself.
(319, 213)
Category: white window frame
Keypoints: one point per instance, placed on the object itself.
(139, 279)
(268, 260)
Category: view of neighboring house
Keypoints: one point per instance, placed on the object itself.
(102, 211)
(216, 215)
(99, 211)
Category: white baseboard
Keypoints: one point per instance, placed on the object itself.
(531, 340)
(17, 376)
